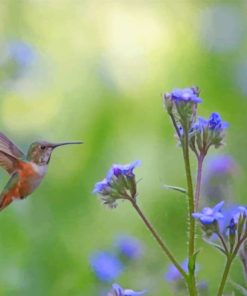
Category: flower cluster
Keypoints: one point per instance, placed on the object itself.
(181, 104)
(232, 231)
(119, 183)
(207, 132)
(117, 290)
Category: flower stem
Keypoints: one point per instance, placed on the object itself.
(191, 248)
(223, 242)
(198, 180)
(230, 258)
(159, 240)
(225, 275)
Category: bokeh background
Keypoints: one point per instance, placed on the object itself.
(95, 71)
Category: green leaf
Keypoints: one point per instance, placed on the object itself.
(240, 288)
(175, 188)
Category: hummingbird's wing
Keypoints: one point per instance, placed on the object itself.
(9, 147)
(8, 162)
(7, 195)
(9, 154)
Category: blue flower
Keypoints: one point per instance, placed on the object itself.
(21, 52)
(106, 266)
(181, 105)
(119, 183)
(210, 215)
(173, 274)
(214, 123)
(216, 183)
(206, 133)
(117, 290)
(185, 95)
(129, 246)
(101, 187)
(123, 169)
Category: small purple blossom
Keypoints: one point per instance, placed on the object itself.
(101, 186)
(123, 169)
(106, 266)
(214, 123)
(173, 275)
(129, 246)
(221, 165)
(117, 290)
(185, 95)
(119, 183)
(21, 52)
(206, 133)
(232, 227)
(217, 177)
(209, 215)
(231, 215)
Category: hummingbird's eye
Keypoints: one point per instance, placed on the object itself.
(42, 147)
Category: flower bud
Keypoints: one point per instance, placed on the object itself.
(119, 183)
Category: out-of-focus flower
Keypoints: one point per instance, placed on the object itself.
(106, 266)
(17, 56)
(173, 274)
(129, 246)
(218, 174)
(117, 290)
(209, 215)
(21, 52)
(119, 183)
(181, 104)
(221, 27)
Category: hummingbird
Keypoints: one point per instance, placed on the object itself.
(27, 171)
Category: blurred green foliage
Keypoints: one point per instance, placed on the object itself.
(97, 75)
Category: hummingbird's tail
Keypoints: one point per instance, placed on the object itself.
(5, 201)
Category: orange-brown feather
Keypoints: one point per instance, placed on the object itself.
(26, 177)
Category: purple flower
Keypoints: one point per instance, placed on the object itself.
(206, 133)
(106, 266)
(101, 187)
(210, 215)
(173, 275)
(214, 123)
(231, 214)
(129, 246)
(216, 183)
(21, 52)
(181, 105)
(119, 183)
(117, 290)
(185, 95)
(124, 169)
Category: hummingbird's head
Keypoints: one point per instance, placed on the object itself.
(40, 152)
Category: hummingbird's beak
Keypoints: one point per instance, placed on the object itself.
(64, 143)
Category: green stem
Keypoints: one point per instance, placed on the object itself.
(223, 242)
(198, 180)
(230, 258)
(225, 275)
(191, 247)
(159, 240)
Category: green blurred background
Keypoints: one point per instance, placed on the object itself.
(95, 71)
